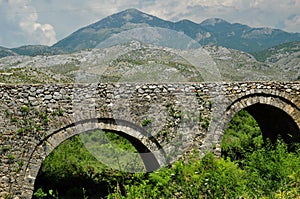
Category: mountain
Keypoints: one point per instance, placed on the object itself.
(4, 52)
(33, 50)
(244, 38)
(30, 50)
(90, 36)
(211, 31)
(276, 53)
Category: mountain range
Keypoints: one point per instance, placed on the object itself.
(134, 46)
(212, 31)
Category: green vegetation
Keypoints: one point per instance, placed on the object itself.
(266, 173)
(241, 137)
(248, 168)
(146, 122)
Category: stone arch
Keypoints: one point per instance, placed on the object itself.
(149, 149)
(273, 113)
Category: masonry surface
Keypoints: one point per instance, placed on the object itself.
(164, 121)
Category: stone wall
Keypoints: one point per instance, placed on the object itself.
(168, 120)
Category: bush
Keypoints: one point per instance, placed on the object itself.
(270, 169)
(205, 178)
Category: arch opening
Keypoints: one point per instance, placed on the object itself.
(73, 166)
(274, 123)
(147, 148)
(255, 125)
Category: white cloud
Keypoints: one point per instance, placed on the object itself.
(23, 19)
(293, 23)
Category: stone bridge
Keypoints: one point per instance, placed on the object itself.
(163, 121)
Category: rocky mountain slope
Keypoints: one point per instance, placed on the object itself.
(137, 62)
(285, 56)
(276, 53)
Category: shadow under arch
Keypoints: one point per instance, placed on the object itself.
(150, 150)
(274, 122)
(276, 115)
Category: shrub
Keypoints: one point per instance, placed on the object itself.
(271, 168)
(205, 178)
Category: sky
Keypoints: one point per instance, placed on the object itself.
(45, 22)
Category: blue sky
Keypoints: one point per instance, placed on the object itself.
(45, 22)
